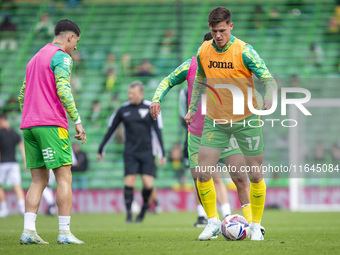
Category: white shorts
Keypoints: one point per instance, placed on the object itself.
(10, 173)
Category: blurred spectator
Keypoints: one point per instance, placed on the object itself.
(81, 167)
(82, 162)
(76, 84)
(337, 11)
(111, 63)
(9, 167)
(295, 6)
(145, 69)
(294, 81)
(176, 161)
(335, 152)
(110, 82)
(333, 26)
(78, 63)
(45, 27)
(319, 153)
(257, 20)
(72, 3)
(77, 71)
(126, 64)
(12, 105)
(96, 111)
(274, 19)
(8, 7)
(8, 34)
(168, 43)
(316, 55)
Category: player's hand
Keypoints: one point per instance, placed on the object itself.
(155, 109)
(162, 161)
(188, 117)
(100, 157)
(81, 134)
(267, 104)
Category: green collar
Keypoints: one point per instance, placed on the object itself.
(226, 47)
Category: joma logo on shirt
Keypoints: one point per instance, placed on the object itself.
(225, 65)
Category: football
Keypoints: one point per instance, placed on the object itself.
(234, 227)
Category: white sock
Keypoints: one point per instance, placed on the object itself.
(214, 220)
(3, 206)
(253, 224)
(48, 196)
(29, 221)
(21, 205)
(64, 222)
(225, 209)
(200, 211)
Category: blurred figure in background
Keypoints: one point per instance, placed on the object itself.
(176, 161)
(8, 34)
(335, 152)
(316, 55)
(110, 82)
(126, 65)
(319, 153)
(110, 63)
(81, 166)
(168, 43)
(45, 28)
(9, 167)
(145, 69)
(139, 154)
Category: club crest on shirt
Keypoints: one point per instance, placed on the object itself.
(143, 112)
(125, 114)
(67, 62)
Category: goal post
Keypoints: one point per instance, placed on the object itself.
(314, 185)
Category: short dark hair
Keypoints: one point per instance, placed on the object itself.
(66, 25)
(207, 37)
(218, 15)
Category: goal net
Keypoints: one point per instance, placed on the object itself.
(314, 157)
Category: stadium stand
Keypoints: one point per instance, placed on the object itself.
(137, 27)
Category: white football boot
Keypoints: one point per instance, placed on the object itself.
(263, 231)
(66, 237)
(212, 230)
(31, 237)
(256, 233)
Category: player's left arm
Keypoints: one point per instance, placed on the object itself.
(254, 63)
(22, 95)
(62, 65)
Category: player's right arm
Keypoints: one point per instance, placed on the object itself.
(178, 76)
(114, 122)
(22, 95)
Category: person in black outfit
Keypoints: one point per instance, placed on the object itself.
(142, 134)
(9, 167)
(81, 167)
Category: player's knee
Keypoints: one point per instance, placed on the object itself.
(241, 183)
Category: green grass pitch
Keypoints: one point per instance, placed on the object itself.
(172, 233)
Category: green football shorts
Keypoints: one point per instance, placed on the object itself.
(49, 146)
(248, 134)
(194, 144)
